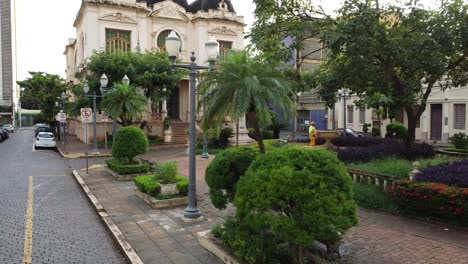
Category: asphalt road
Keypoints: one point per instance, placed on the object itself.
(44, 216)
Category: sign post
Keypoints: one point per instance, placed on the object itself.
(86, 114)
(105, 118)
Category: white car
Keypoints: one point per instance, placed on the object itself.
(45, 140)
(8, 128)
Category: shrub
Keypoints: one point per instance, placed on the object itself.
(147, 184)
(388, 148)
(432, 200)
(298, 195)
(457, 150)
(166, 172)
(182, 185)
(365, 127)
(396, 130)
(129, 142)
(124, 169)
(359, 141)
(454, 174)
(224, 136)
(376, 131)
(369, 196)
(225, 170)
(459, 140)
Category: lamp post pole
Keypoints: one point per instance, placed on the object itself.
(212, 48)
(95, 149)
(344, 111)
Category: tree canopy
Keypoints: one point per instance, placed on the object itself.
(42, 90)
(402, 52)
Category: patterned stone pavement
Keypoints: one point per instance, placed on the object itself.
(160, 236)
(65, 229)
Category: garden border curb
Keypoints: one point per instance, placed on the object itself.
(81, 155)
(117, 235)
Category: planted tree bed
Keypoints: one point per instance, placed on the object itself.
(126, 172)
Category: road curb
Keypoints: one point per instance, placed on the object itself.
(122, 242)
(82, 155)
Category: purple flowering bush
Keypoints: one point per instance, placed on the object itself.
(453, 174)
(385, 149)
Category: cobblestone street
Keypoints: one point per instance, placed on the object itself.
(45, 218)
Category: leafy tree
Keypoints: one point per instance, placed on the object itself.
(148, 71)
(42, 90)
(124, 102)
(245, 85)
(401, 52)
(79, 101)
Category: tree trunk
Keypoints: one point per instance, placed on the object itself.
(237, 134)
(300, 254)
(411, 134)
(256, 127)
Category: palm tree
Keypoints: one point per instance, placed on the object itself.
(124, 102)
(245, 86)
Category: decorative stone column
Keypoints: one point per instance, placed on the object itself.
(243, 132)
(415, 171)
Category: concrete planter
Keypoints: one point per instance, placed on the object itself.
(126, 177)
(216, 247)
(169, 189)
(160, 204)
(167, 135)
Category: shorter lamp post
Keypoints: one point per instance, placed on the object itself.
(94, 96)
(104, 90)
(212, 50)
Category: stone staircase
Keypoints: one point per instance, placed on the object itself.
(178, 133)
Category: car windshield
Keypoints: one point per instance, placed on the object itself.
(46, 136)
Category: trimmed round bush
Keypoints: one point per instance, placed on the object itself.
(459, 140)
(396, 130)
(129, 142)
(225, 170)
(298, 195)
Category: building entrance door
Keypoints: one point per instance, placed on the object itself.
(436, 122)
(173, 104)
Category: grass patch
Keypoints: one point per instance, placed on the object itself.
(369, 196)
(457, 150)
(396, 167)
(124, 169)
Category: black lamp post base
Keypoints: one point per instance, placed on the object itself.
(192, 213)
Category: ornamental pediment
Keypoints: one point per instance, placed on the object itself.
(169, 9)
(118, 17)
(223, 31)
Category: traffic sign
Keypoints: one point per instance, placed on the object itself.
(61, 117)
(86, 115)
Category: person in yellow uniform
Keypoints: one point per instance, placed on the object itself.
(312, 134)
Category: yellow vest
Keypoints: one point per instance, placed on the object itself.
(311, 129)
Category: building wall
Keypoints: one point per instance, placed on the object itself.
(6, 57)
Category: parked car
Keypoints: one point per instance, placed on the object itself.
(348, 132)
(9, 128)
(43, 128)
(4, 134)
(45, 140)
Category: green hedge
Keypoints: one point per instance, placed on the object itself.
(124, 169)
(147, 184)
(457, 150)
(182, 185)
(432, 200)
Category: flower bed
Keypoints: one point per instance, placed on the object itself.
(432, 200)
(453, 174)
(148, 184)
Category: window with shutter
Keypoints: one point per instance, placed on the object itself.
(118, 40)
(459, 116)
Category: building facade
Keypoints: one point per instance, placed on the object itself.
(131, 25)
(6, 62)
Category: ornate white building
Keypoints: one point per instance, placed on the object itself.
(131, 25)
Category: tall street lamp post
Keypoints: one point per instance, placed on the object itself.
(343, 95)
(212, 49)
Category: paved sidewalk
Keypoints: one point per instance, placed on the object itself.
(160, 236)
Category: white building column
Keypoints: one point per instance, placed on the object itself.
(164, 106)
(445, 121)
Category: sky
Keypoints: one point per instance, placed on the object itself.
(43, 28)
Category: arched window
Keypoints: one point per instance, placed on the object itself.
(118, 40)
(161, 40)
